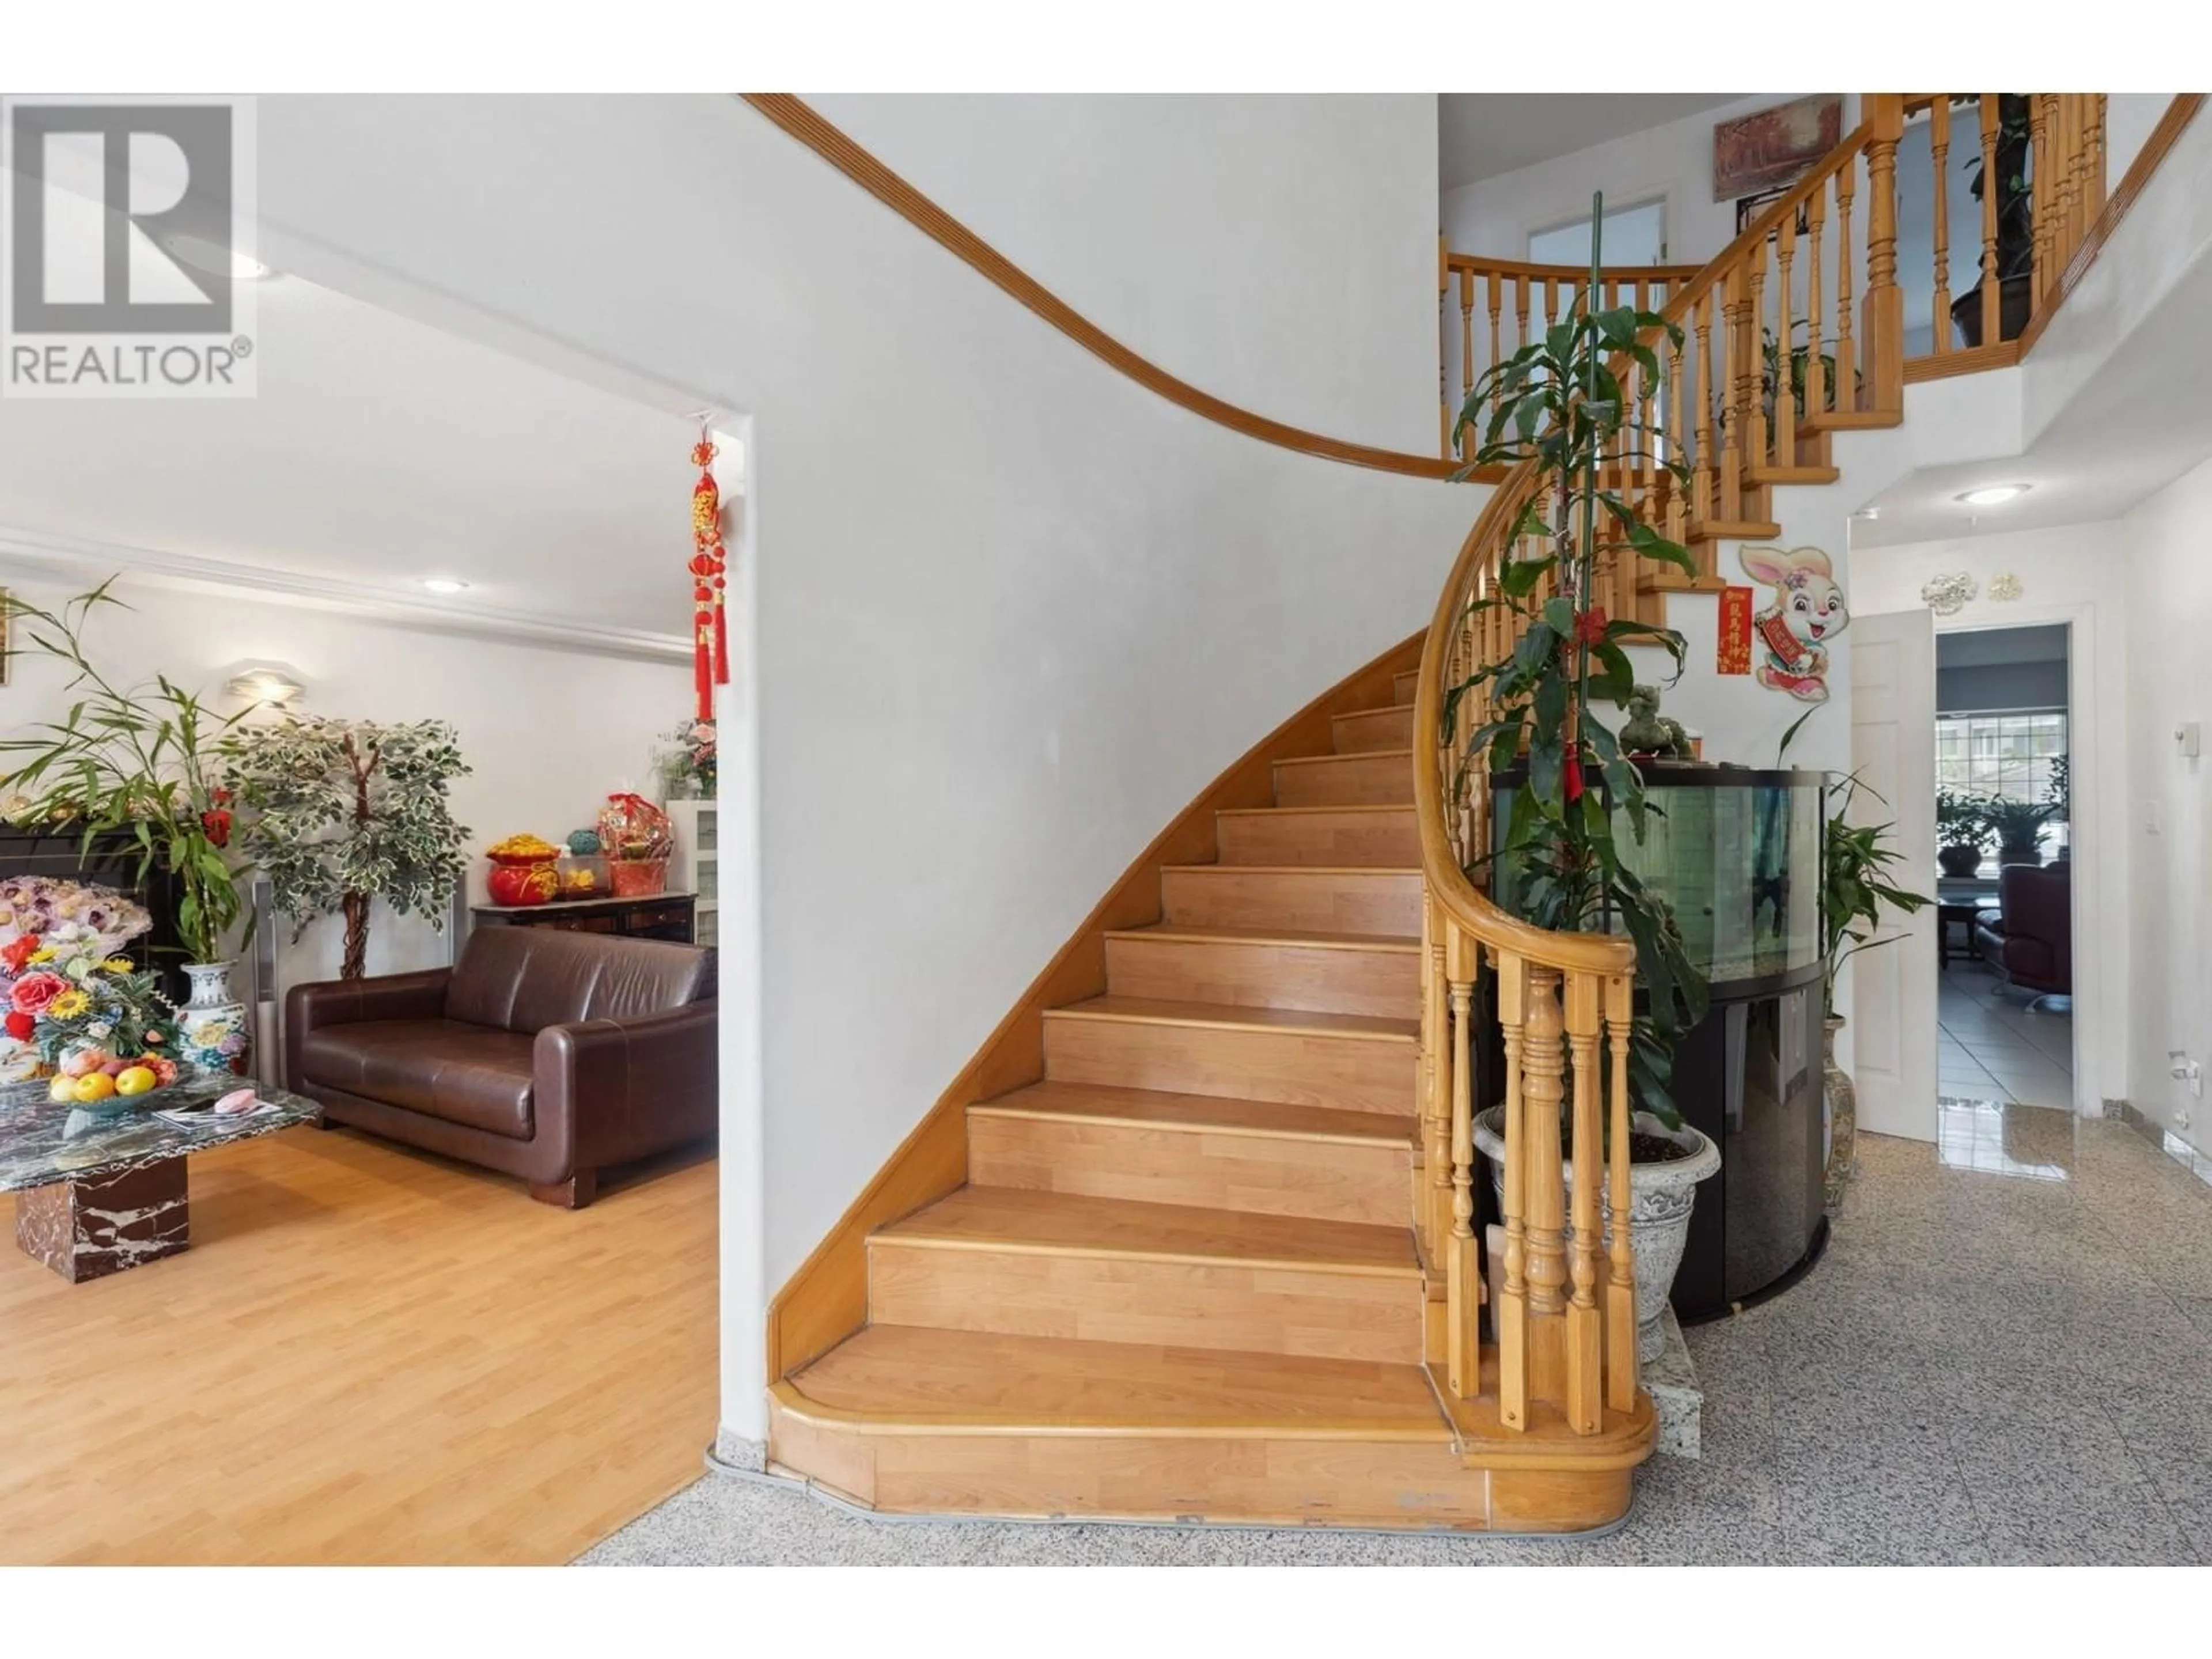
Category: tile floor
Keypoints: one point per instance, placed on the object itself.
(2005, 1356)
(1992, 1046)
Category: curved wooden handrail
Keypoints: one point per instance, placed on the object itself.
(1482, 263)
(842, 152)
(1447, 882)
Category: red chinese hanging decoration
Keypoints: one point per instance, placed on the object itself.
(710, 628)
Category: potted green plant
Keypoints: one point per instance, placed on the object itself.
(2015, 248)
(1557, 703)
(344, 812)
(2059, 792)
(1856, 862)
(1963, 835)
(138, 761)
(2018, 826)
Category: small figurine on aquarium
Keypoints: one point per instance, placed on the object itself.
(1648, 731)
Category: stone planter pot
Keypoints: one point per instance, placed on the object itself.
(1842, 1102)
(1960, 861)
(1661, 1197)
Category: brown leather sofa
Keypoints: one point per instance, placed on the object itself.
(2031, 936)
(541, 1053)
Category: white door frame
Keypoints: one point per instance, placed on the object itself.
(2084, 784)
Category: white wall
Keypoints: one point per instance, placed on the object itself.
(2168, 813)
(2129, 118)
(547, 733)
(1279, 252)
(2067, 574)
(1014, 611)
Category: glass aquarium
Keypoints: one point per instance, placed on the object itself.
(1736, 852)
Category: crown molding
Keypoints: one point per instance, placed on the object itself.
(39, 552)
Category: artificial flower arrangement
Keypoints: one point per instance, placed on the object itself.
(689, 768)
(76, 1006)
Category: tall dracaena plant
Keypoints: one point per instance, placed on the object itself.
(1559, 698)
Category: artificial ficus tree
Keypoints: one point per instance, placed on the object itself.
(344, 812)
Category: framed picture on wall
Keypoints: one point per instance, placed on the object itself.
(1770, 148)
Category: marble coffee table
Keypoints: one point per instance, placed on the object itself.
(100, 1189)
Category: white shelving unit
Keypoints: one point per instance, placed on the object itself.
(694, 867)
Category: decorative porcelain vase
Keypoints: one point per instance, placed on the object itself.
(1961, 860)
(211, 1028)
(1842, 1114)
(1661, 1198)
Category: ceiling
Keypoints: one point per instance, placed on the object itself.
(2140, 422)
(379, 452)
(1480, 134)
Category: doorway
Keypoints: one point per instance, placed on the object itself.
(2005, 721)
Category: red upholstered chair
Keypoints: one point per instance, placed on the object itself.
(2031, 939)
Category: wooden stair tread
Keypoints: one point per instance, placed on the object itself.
(1850, 420)
(1018, 1218)
(1794, 474)
(1404, 807)
(1302, 939)
(886, 1375)
(1357, 756)
(1100, 1103)
(1231, 1016)
(1734, 530)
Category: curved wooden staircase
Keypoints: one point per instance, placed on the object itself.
(1192, 1237)
(1180, 1281)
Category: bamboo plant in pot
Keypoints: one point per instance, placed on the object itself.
(1856, 863)
(1556, 703)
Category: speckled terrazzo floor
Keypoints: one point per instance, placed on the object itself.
(2005, 1356)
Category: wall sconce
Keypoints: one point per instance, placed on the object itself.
(266, 683)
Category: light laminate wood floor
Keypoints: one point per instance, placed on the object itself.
(367, 1355)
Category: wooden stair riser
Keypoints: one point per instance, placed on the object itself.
(1332, 979)
(1372, 729)
(1386, 837)
(1385, 903)
(1261, 1309)
(1302, 1068)
(1368, 1182)
(1379, 780)
(1288, 1482)
(1405, 686)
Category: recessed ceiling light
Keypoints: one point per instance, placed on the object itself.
(1991, 494)
(205, 256)
(1868, 513)
(445, 585)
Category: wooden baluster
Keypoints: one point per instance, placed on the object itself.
(1510, 1316)
(1520, 289)
(1883, 337)
(1470, 440)
(1678, 508)
(1620, 1368)
(1785, 336)
(1543, 1087)
(1847, 383)
(1463, 1311)
(2098, 184)
(1647, 446)
(1734, 390)
(1992, 188)
(2041, 192)
(1585, 1378)
(1497, 356)
(1754, 364)
(2069, 108)
(1435, 1041)
(1701, 479)
(1939, 151)
(1816, 367)
(1551, 301)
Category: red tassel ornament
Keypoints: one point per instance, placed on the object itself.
(710, 628)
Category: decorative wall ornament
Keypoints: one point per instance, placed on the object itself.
(2005, 587)
(1733, 655)
(1773, 147)
(1948, 595)
(710, 627)
(1808, 608)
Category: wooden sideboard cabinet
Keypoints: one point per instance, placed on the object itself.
(661, 915)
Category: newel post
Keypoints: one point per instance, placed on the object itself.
(1882, 335)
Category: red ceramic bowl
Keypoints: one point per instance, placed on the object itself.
(513, 884)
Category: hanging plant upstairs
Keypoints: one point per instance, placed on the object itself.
(1556, 403)
(710, 627)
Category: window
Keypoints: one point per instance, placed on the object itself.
(2008, 755)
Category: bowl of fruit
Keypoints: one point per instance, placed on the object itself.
(93, 1077)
